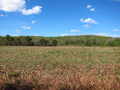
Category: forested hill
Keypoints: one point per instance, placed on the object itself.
(82, 40)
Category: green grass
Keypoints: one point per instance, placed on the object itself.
(28, 57)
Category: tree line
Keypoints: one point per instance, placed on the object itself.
(82, 40)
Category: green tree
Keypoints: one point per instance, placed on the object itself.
(112, 43)
(117, 40)
(1, 40)
(17, 41)
(43, 42)
(8, 40)
(27, 41)
(54, 42)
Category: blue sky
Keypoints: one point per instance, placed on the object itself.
(60, 17)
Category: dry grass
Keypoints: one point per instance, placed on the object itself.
(60, 68)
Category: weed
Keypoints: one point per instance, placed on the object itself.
(50, 85)
(13, 74)
(60, 68)
(35, 79)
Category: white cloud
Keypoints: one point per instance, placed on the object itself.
(18, 31)
(115, 35)
(72, 34)
(89, 6)
(75, 31)
(86, 26)
(11, 5)
(89, 20)
(18, 5)
(36, 35)
(34, 10)
(15, 35)
(66, 34)
(33, 22)
(116, 30)
(1, 15)
(92, 9)
(26, 27)
(102, 34)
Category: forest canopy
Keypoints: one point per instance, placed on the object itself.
(82, 40)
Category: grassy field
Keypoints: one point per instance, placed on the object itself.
(59, 68)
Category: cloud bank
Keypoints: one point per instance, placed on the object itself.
(18, 5)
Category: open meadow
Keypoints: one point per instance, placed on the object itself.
(59, 68)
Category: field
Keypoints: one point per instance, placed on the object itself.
(59, 68)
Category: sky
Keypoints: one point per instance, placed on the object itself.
(60, 17)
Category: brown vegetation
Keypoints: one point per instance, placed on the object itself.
(60, 75)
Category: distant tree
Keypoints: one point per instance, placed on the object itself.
(1, 39)
(97, 42)
(117, 40)
(17, 41)
(8, 40)
(112, 43)
(54, 42)
(88, 43)
(27, 41)
(93, 42)
(81, 41)
(84, 40)
(103, 42)
(1, 43)
(7, 37)
(35, 42)
(43, 42)
(74, 40)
